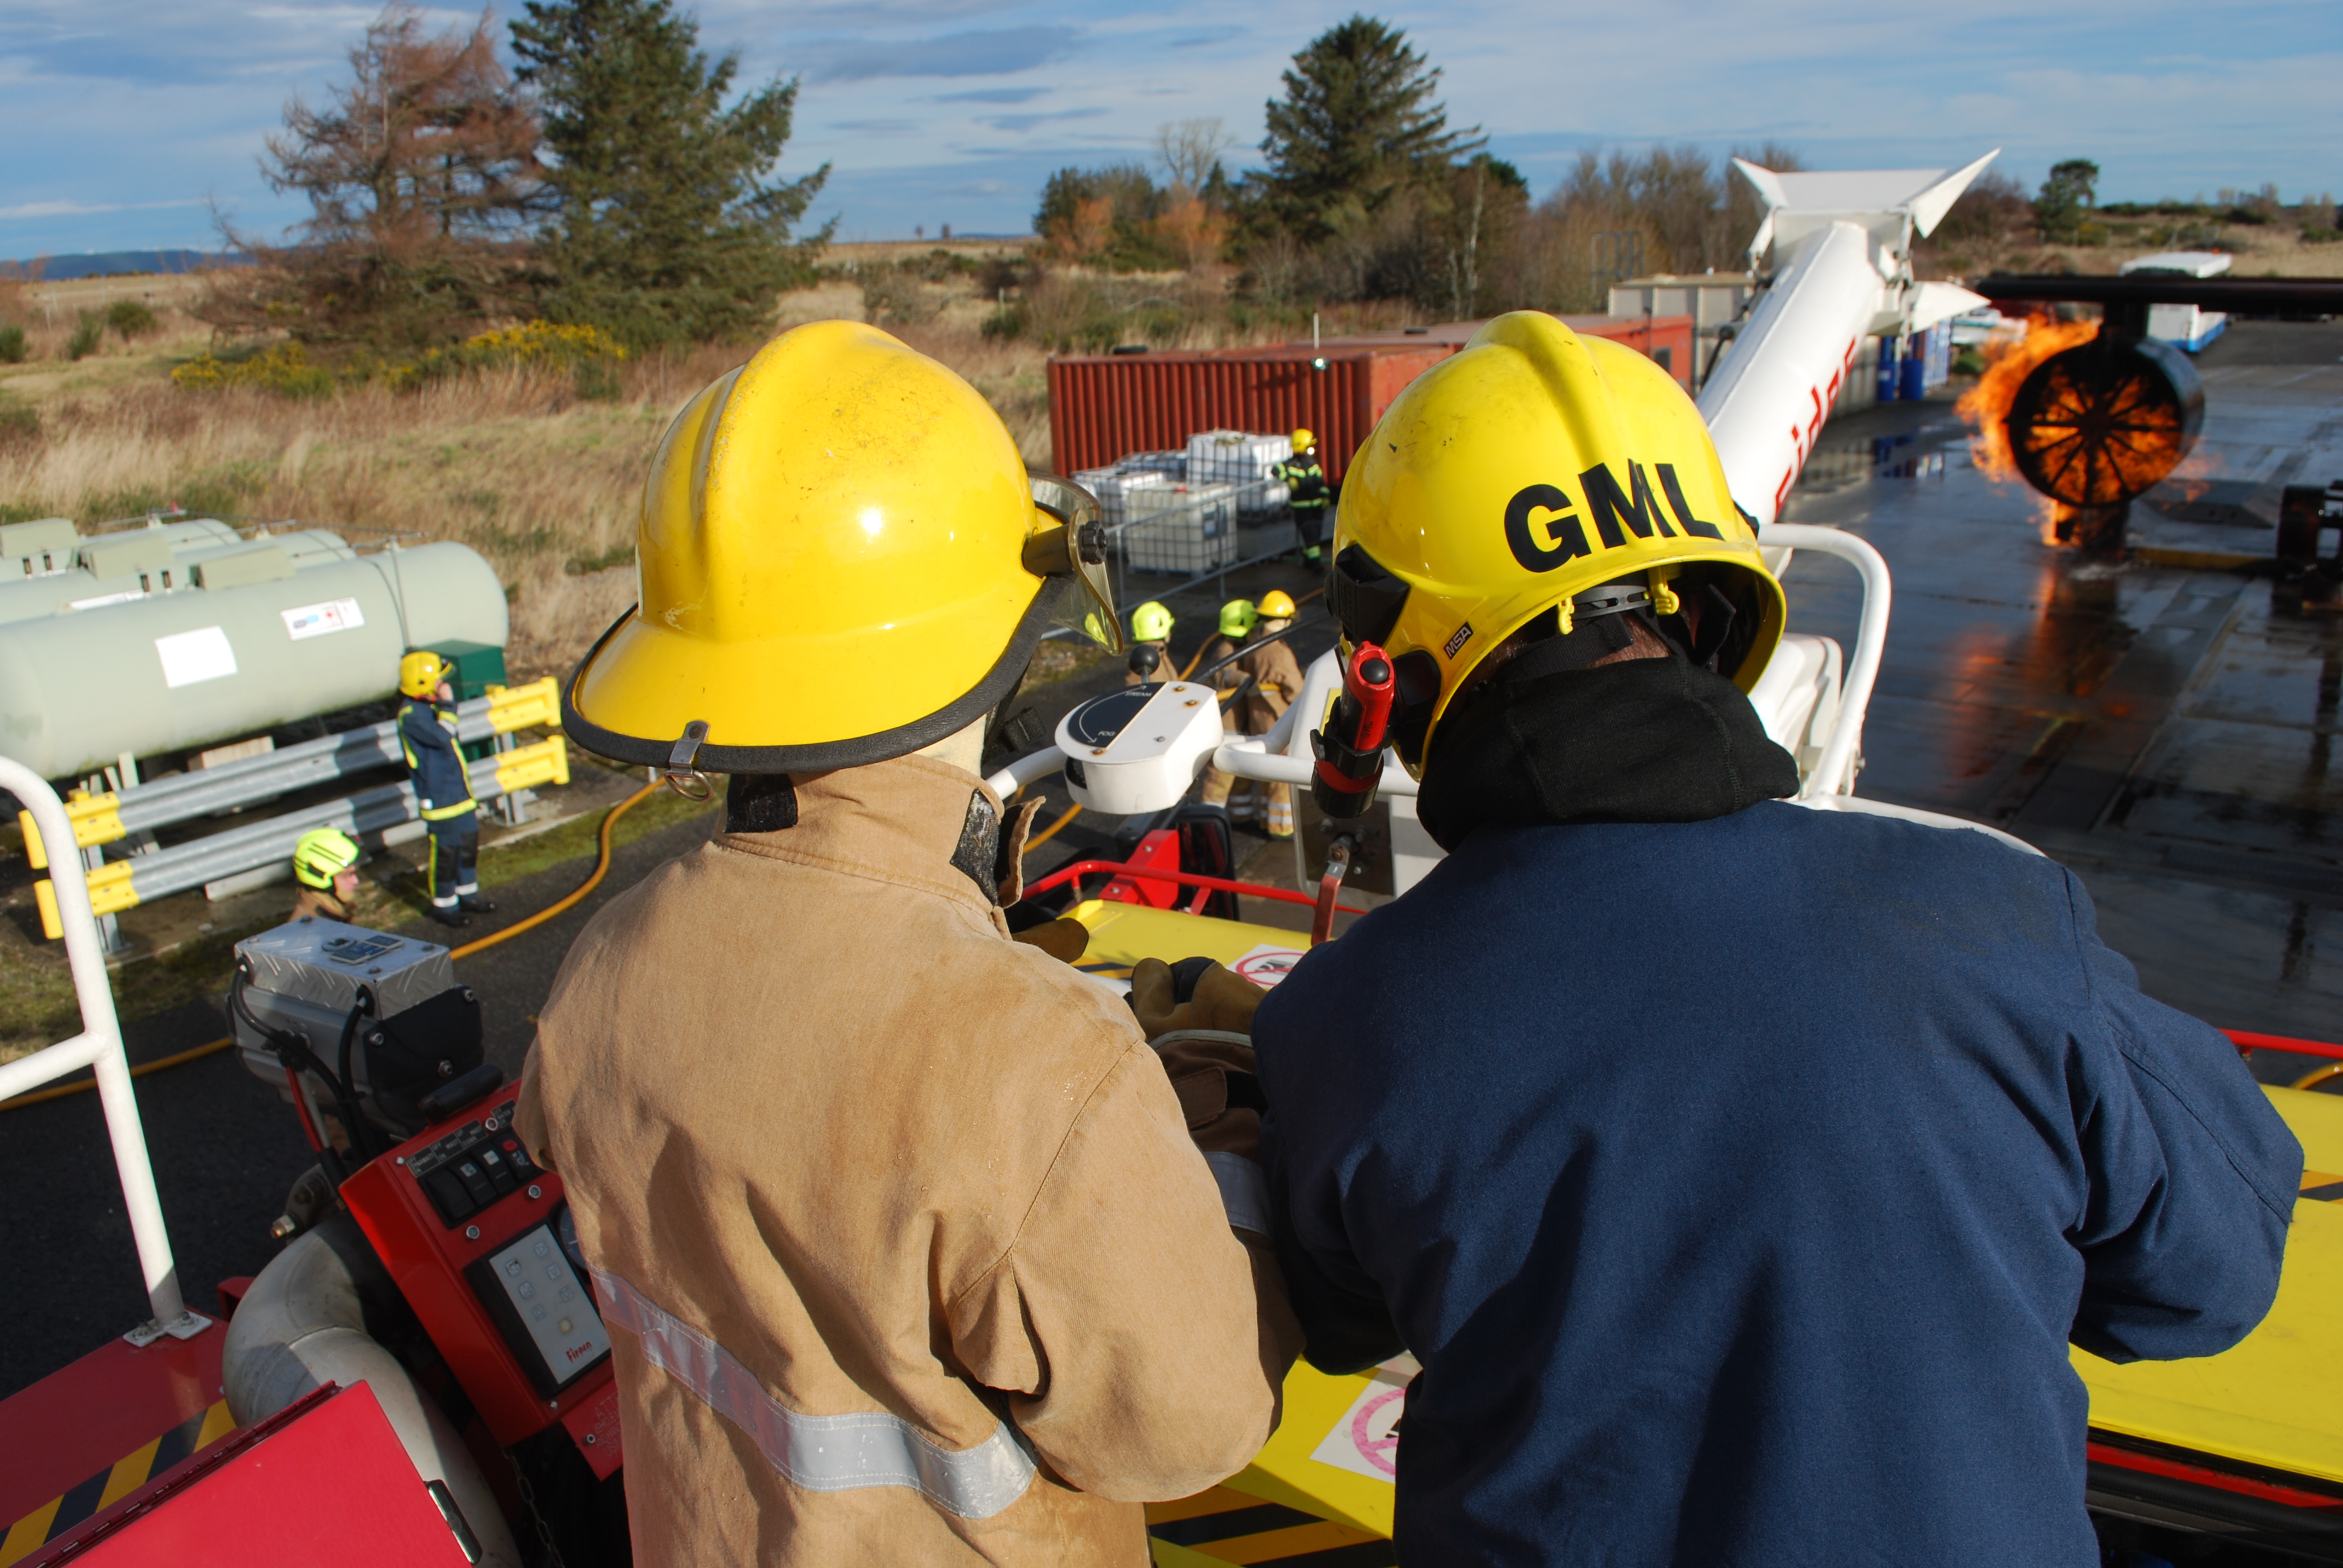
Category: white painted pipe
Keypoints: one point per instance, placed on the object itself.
(1834, 774)
(98, 1047)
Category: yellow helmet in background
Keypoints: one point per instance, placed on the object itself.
(321, 855)
(1238, 617)
(1275, 604)
(841, 559)
(1537, 470)
(1304, 441)
(420, 673)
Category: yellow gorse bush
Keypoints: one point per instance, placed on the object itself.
(545, 340)
(285, 368)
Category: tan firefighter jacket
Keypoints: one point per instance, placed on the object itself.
(906, 1255)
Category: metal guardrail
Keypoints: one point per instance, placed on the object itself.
(103, 819)
(98, 1047)
(122, 885)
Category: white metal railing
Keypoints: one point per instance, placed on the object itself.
(1834, 774)
(98, 1047)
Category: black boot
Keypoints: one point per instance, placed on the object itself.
(477, 904)
(456, 918)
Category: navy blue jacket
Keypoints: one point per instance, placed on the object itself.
(427, 736)
(1740, 1184)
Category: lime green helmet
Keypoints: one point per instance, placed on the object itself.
(1150, 622)
(1238, 617)
(322, 854)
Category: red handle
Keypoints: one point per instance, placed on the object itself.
(1369, 682)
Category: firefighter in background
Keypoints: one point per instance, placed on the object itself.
(1266, 678)
(1238, 618)
(443, 787)
(1150, 644)
(1307, 493)
(967, 1291)
(326, 864)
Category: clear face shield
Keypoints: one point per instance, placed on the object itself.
(1070, 545)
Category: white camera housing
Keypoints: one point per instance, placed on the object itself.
(1137, 750)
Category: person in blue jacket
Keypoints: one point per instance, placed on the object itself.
(443, 787)
(1739, 1173)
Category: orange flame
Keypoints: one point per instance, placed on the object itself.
(1985, 406)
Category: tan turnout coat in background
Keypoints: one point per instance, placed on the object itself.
(907, 1254)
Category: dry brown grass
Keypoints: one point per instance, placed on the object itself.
(514, 463)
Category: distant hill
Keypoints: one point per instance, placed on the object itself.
(105, 262)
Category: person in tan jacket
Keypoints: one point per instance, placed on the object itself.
(1267, 679)
(907, 1252)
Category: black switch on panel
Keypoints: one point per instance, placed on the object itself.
(476, 1181)
(448, 1196)
(500, 1174)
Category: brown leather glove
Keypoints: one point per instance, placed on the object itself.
(1062, 939)
(1219, 1091)
(1215, 998)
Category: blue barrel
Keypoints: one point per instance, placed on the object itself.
(1913, 375)
(1887, 370)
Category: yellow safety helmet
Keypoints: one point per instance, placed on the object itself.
(1533, 472)
(1238, 618)
(1304, 441)
(842, 559)
(420, 673)
(1276, 605)
(321, 855)
(1150, 622)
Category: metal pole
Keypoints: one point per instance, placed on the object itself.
(99, 1048)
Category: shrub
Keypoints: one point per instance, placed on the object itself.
(12, 344)
(18, 422)
(87, 333)
(284, 369)
(129, 319)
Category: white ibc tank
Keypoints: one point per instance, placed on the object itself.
(268, 631)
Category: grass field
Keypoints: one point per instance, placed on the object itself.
(513, 462)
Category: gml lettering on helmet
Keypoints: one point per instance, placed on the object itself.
(1616, 512)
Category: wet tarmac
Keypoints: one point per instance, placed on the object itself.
(2160, 723)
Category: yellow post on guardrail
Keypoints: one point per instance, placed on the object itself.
(537, 705)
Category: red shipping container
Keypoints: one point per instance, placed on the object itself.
(1103, 406)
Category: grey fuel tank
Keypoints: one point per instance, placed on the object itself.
(247, 633)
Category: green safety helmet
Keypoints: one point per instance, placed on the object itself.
(1238, 617)
(1150, 622)
(322, 854)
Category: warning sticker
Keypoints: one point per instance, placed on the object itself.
(1267, 965)
(321, 619)
(189, 656)
(1365, 1441)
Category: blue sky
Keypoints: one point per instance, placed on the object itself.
(122, 119)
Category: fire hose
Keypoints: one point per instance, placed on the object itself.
(568, 901)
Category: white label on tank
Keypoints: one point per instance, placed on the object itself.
(321, 619)
(189, 656)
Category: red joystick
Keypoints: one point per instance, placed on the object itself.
(1349, 749)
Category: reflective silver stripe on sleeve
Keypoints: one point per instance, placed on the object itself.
(821, 1452)
(1245, 1191)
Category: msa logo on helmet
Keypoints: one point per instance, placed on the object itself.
(1616, 513)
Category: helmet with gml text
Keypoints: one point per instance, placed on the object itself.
(841, 559)
(1536, 472)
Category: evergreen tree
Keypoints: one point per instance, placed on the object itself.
(1358, 125)
(2066, 196)
(664, 225)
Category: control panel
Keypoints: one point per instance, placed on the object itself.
(470, 1168)
(476, 1234)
